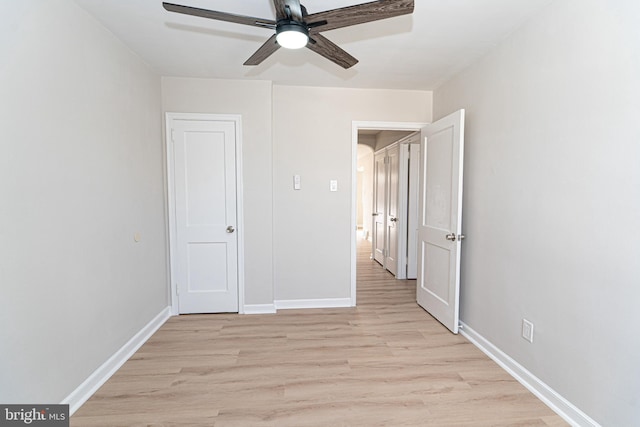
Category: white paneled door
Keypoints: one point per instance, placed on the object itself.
(393, 216)
(379, 242)
(205, 251)
(440, 218)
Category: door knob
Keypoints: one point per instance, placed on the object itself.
(450, 236)
(230, 229)
(393, 219)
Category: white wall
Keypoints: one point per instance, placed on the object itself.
(312, 138)
(552, 201)
(365, 178)
(388, 137)
(252, 100)
(366, 145)
(80, 173)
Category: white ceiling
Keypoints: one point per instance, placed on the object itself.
(417, 51)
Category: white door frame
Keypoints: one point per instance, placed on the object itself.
(237, 119)
(355, 127)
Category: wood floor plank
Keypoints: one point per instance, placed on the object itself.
(385, 363)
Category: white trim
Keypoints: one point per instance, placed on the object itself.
(313, 303)
(542, 391)
(100, 376)
(237, 119)
(240, 213)
(170, 212)
(354, 208)
(259, 309)
(355, 126)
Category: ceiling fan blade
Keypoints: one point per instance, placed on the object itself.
(220, 16)
(358, 14)
(293, 6)
(268, 48)
(325, 47)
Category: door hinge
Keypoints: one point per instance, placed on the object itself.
(172, 136)
(177, 289)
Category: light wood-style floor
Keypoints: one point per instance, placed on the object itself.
(384, 363)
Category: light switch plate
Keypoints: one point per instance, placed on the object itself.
(296, 182)
(527, 330)
(333, 185)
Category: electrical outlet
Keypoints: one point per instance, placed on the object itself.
(527, 330)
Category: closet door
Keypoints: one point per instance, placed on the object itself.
(412, 210)
(202, 169)
(392, 209)
(379, 201)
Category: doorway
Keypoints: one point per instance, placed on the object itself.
(368, 128)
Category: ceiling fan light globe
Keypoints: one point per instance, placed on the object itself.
(292, 36)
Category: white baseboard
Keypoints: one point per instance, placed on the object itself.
(259, 309)
(296, 303)
(313, 303)
(85, 390)
(550, 397)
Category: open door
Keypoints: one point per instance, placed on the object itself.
(440, 219)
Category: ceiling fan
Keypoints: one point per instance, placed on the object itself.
(295, 28)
